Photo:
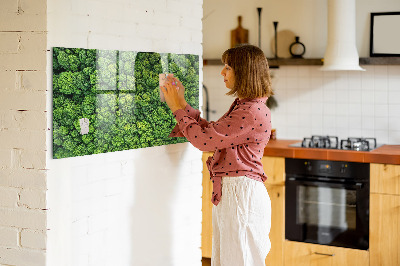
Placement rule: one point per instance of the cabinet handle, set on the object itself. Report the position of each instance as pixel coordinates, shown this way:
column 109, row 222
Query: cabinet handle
column 324, row 254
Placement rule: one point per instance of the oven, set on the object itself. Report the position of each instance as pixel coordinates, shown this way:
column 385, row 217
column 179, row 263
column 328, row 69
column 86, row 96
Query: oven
column 327, row 202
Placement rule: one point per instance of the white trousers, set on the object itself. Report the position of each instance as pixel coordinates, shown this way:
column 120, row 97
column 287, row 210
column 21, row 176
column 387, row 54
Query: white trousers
column 241, row 223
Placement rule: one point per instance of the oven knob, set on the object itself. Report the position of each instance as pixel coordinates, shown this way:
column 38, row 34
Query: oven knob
column 308, row 166
column 343, row 168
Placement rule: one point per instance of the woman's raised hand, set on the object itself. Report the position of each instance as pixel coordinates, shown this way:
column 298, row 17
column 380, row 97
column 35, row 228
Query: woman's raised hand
column 174, row 94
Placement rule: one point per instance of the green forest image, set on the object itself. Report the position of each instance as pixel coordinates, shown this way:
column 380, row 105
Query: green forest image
column 109, row 100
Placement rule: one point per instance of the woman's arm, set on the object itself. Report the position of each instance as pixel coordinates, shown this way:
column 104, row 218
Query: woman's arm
column 238, row 128
column 175, row 99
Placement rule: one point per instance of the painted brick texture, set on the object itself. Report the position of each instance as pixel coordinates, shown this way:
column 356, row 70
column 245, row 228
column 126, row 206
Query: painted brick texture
column 23, row 218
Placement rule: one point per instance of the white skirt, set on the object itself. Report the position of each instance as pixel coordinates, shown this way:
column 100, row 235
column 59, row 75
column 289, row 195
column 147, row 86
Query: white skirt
column 241, row 223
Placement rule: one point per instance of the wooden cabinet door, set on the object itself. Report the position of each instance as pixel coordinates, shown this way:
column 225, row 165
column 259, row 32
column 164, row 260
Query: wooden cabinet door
column 385, row 178
column 277, row 233
column 206, row 226
column 274, row 168
column 384, row 236
column 304, row 254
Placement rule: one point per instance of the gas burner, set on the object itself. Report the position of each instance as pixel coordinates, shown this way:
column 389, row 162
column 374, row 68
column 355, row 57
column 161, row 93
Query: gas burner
column 358, row 144
column 332, row 142
column 327, row 142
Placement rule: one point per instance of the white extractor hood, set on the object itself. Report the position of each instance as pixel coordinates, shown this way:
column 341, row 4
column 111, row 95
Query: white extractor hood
column 341, row 51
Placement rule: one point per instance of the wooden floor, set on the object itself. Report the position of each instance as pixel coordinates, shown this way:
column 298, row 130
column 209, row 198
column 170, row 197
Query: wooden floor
column 206, row 261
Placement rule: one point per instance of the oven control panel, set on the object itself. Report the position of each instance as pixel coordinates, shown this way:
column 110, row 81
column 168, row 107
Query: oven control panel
column 338, row 169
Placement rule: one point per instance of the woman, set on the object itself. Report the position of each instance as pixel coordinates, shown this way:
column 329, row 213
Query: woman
column 242, row 208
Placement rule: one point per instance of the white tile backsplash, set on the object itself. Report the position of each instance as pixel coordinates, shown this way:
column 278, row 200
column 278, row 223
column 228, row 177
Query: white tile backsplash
column 345, row 103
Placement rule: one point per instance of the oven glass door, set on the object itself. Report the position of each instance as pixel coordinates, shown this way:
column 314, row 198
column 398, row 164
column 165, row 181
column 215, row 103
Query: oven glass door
column 326, row 213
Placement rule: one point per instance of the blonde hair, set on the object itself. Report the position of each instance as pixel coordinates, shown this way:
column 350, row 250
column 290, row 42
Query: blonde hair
column 250, row 66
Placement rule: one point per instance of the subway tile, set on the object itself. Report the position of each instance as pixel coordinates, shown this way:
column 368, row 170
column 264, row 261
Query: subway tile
column 342, row 109
column 292, row 83
column 381, row 97
column 317, row 120
column 394, row 137
column 394, row 83
column 381, row 123
column 367, row 97
column 354, row 75
column 367, row 84
column 315, row 72
column 394, row 110
column 329, row 94
column 394, row 123
column 304, row 82
column 382, row 136
column 355, row 96
column 329, row 109
column 355, row 132
column 329, row 123
column 328, row 74
column 380, row 71
column 342, row 97
column 279, row 72
column 394, row 97
column 367, row 110
column 355, row 122
column 342, row 122
column 355, row 109
column 291, row 71
column 316, row 83
column 381, row 110
column 342, row 82
column 367, row 123
column 304, row 72
column 354, row 81
column 380, row 84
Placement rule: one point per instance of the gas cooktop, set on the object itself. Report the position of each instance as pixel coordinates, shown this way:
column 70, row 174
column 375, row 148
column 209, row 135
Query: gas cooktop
column 332, row 142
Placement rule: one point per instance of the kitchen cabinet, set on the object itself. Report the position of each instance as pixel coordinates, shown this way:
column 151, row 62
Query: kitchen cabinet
column 206, row 225
column 305, row 254
column 385, row 178
column 274, row 168
column 385, row 214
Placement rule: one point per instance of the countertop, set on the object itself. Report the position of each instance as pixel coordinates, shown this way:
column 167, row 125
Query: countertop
column 387, row 154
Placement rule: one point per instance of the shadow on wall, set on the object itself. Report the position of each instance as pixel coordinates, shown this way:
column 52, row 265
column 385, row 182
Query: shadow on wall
column 155, row 201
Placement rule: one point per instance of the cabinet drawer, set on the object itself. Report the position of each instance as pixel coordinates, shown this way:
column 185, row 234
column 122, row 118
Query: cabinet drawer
column 305, row 254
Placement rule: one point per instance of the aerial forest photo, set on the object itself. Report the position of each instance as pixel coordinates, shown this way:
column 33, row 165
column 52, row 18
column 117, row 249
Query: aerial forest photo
column 109, row 100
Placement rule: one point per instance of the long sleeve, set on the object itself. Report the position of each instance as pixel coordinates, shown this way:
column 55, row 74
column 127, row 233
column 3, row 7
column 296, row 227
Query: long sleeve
column 193, row 113
column 232, row 130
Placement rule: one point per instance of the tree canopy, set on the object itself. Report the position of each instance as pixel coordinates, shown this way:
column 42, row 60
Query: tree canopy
column 118, row 91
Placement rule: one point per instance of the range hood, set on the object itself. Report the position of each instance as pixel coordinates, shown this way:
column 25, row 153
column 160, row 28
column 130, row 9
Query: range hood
column 341, row 51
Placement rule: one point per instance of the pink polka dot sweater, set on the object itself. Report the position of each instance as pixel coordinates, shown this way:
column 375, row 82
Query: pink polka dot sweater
column 238, row 139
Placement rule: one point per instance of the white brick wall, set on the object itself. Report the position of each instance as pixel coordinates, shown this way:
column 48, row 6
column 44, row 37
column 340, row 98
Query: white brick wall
column 23, row 132
column 136, row 207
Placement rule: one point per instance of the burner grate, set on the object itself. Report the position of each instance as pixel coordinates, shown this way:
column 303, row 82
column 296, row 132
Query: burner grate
column 327, row 142
column 358, row 144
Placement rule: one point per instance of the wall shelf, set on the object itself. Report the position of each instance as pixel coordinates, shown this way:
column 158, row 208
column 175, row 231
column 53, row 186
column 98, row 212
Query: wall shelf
column 380, row 61
column 274, row 63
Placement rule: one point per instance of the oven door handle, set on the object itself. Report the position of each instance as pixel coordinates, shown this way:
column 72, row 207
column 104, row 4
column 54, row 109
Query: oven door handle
column 357, row 185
